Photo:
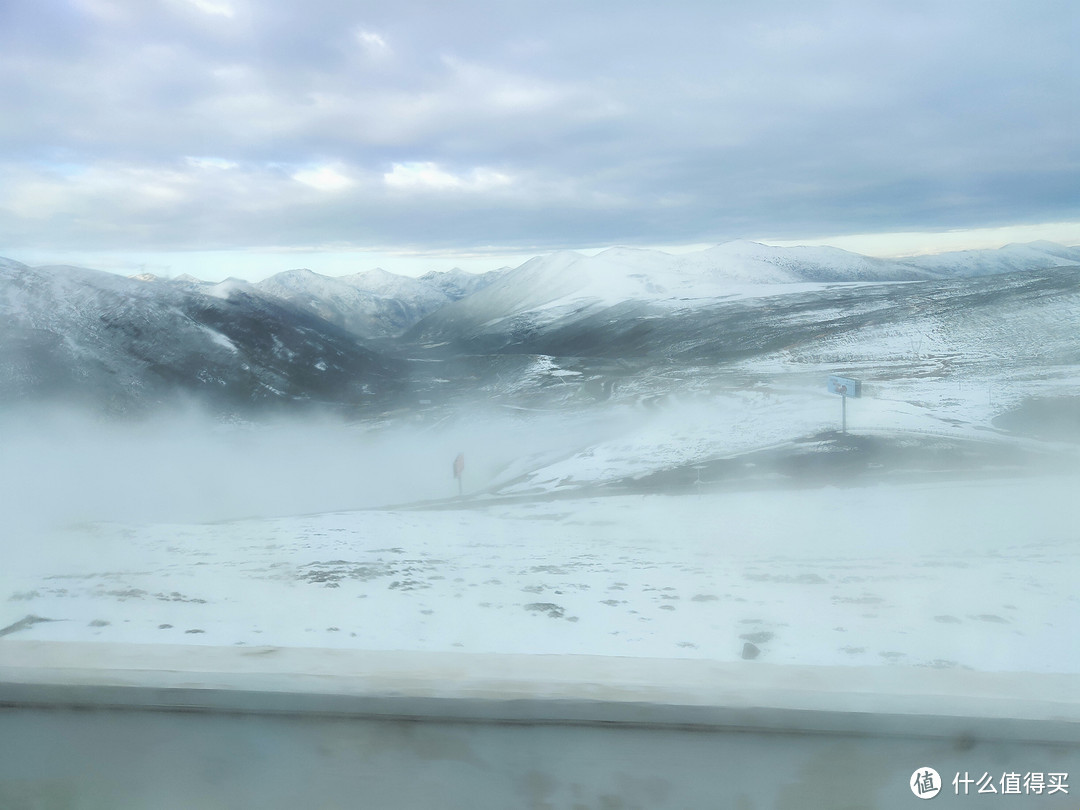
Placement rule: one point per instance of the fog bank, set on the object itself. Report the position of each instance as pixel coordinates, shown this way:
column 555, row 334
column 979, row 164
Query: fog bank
column 59, row 468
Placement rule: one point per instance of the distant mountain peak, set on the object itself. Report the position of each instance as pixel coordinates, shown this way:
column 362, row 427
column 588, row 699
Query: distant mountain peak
column 297, row 272
column 1038, row 244
column 739, row 242
column 453, row 272
column 376, row 272
column 625, row 250
column 1014, row 257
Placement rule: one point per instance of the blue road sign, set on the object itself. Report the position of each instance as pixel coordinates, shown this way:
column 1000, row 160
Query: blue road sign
column 845, row 387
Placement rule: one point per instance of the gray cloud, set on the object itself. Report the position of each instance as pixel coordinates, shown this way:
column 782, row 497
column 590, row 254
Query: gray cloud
column 229, row 123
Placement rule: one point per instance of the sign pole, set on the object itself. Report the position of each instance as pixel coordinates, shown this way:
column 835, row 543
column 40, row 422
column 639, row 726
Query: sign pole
column 845, row 388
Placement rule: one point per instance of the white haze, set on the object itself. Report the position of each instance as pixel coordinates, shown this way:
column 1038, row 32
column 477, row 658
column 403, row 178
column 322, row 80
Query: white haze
column 58, row 468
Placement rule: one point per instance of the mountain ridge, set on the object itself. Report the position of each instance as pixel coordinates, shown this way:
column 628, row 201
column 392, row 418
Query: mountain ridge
column 566, row 284
column 125, row 345
column 71, row 334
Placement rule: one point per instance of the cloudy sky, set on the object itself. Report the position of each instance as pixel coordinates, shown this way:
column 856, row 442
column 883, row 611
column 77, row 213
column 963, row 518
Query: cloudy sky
column 243, row 137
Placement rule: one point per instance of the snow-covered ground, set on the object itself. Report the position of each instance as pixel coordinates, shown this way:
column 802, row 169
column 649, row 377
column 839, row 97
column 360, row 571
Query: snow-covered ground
column 977, row 575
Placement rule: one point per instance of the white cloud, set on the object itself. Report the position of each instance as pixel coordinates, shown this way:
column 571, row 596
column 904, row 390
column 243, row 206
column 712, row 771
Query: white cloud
column 323, row 178
column 77, row 192
column 32, row 198
column 429, row 176
column 215, row 7
column 703, row 123
column 119, row 204
column 420, row 175
column 373, row 43
column 210, row 163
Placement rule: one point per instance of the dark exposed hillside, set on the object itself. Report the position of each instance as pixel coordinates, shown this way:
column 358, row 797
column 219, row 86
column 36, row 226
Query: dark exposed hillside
column 125, row 345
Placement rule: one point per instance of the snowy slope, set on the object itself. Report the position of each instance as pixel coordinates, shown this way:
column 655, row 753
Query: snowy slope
column 456, row 283
column 554, row 291
column 123, row 344
column 391, row 285
column 11, row 265
column 356, row 310
column 546, row 288
column 753, row 263
column 951, row 576
column 550, row 287
column 1008, row 259
column 372, row 304
column 938, row 356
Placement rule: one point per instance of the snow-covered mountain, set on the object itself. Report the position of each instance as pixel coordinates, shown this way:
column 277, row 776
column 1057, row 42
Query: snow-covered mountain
column 1008, row 259
column 358, row 311
column 747, row 262
column 372, row 304
column 545, row 289
column 567, row 285
column 955, row 347
column 456, row 283
column 124, row 344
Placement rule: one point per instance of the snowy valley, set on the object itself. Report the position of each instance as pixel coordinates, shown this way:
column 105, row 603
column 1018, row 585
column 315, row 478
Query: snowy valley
column 653, row 465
